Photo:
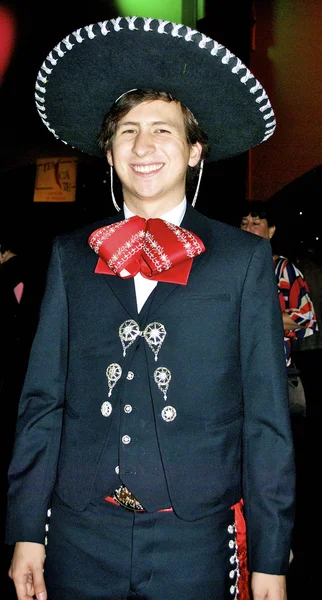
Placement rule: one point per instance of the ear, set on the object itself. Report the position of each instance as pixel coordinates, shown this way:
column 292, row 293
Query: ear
column 195, row 154
column 271, row 231
column 109, row 157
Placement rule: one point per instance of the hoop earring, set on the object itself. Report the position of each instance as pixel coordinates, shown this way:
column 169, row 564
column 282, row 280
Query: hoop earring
column 112, row 191
column 193, row 203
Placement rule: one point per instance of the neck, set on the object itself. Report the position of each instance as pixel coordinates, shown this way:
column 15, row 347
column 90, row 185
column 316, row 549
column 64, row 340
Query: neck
column 151, row 210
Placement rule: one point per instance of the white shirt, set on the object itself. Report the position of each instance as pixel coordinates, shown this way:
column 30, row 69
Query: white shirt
column 143, row 286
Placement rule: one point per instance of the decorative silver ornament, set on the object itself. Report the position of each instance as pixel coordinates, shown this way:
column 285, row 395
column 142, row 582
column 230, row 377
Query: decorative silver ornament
column 106, row 409
column 154, row 335
column 113, row 374
column 128, row 332
column 162, row 377
column 169, row 414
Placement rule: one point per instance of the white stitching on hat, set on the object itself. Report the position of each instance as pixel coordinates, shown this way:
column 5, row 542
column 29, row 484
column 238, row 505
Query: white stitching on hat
column 131, row 22
column 51, row 59
column 271, row 123
column 116, row 23
column 266, row 106
column 248, row 76
column 270, row 114
column 239, row 65
column 42, row 108
column 175, row 31
column 225, row 60
column 67, row 43
column 216, row 48
column 41, row 77
column 40, row 88
column 77, row 35
column 147, row 23
column 255, row 88
column 262, row 97
column 189, row 33
column 90, row 33
column 162, row 25
column 40, row 100
column 204, row 40
column 104, row 30
column 59, row 51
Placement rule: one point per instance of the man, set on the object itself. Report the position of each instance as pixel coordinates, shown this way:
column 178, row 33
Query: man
column 153, row 403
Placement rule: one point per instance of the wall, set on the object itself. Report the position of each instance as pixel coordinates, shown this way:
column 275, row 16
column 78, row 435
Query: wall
column 286, row 60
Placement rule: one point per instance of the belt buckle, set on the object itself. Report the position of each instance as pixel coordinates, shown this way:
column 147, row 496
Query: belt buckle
column 125, row 498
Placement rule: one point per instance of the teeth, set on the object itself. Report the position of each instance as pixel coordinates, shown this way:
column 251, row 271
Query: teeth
column 147, row 168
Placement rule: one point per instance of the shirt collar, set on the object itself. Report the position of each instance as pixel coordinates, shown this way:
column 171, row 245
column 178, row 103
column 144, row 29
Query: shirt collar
column 174, row 216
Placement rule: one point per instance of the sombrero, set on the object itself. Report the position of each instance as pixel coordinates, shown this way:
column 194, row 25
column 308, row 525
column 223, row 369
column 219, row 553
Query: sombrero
column 91, row 67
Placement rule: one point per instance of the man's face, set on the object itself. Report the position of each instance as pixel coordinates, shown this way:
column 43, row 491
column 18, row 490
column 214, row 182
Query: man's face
column 257, row 226
column 151, row 154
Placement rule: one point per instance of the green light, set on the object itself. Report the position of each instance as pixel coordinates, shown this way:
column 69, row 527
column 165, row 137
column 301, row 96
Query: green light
column 169, row 10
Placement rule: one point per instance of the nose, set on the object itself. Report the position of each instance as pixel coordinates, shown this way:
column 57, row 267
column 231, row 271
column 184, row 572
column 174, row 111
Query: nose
column 143, row 143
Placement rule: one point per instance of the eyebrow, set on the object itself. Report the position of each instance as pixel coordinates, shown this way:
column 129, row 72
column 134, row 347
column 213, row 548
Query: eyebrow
column 137, row 123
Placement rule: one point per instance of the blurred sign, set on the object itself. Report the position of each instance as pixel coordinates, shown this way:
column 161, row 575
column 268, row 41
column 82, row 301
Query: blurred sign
column 55, row 180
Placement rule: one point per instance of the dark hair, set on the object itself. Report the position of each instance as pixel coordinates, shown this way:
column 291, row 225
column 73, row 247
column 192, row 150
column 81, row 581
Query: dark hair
column 258, row 208
column 131, row 99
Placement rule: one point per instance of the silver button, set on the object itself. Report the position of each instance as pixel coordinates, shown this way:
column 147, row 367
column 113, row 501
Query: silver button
column 106, row 409
column 117, row 469
column 230, row 529
column 130, row 375
column 232, row 574
column 126, row 439
column 128, row 408
column 169, row 413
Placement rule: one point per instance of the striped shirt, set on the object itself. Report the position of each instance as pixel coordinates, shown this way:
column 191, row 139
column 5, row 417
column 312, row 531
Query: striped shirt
column 295, row 299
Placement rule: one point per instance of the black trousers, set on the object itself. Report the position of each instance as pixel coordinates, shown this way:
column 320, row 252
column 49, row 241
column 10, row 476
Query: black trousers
column 109, row 553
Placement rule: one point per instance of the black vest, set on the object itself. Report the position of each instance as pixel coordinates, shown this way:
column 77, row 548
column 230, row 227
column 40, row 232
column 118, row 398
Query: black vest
column 132, row 454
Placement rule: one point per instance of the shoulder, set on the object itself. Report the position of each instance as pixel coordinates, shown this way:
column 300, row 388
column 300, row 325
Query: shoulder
column 77, row 239
column 286, row 268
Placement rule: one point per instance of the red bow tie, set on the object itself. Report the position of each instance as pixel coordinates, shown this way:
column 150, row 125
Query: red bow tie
column 155, row 248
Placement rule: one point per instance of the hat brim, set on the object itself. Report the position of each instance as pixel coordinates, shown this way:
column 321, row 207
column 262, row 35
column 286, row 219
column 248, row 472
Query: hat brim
column 90, row 68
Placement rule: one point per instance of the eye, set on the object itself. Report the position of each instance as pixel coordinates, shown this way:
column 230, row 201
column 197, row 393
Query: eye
column 162, row 131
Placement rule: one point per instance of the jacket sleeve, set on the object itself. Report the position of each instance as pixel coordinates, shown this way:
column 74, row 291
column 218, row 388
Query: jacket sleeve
column 268, row 458
column 33, row 466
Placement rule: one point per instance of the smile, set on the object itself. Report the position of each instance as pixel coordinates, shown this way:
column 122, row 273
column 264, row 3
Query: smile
column 147, row 168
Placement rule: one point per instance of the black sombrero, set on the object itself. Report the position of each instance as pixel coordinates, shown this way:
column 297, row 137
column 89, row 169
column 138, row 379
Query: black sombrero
column 90, row 68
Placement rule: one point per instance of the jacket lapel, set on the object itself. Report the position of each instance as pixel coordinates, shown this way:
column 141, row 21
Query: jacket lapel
column 123, row 289
column 198, row 224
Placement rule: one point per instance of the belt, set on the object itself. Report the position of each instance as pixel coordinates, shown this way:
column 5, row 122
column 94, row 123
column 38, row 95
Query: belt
column 123, row 497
